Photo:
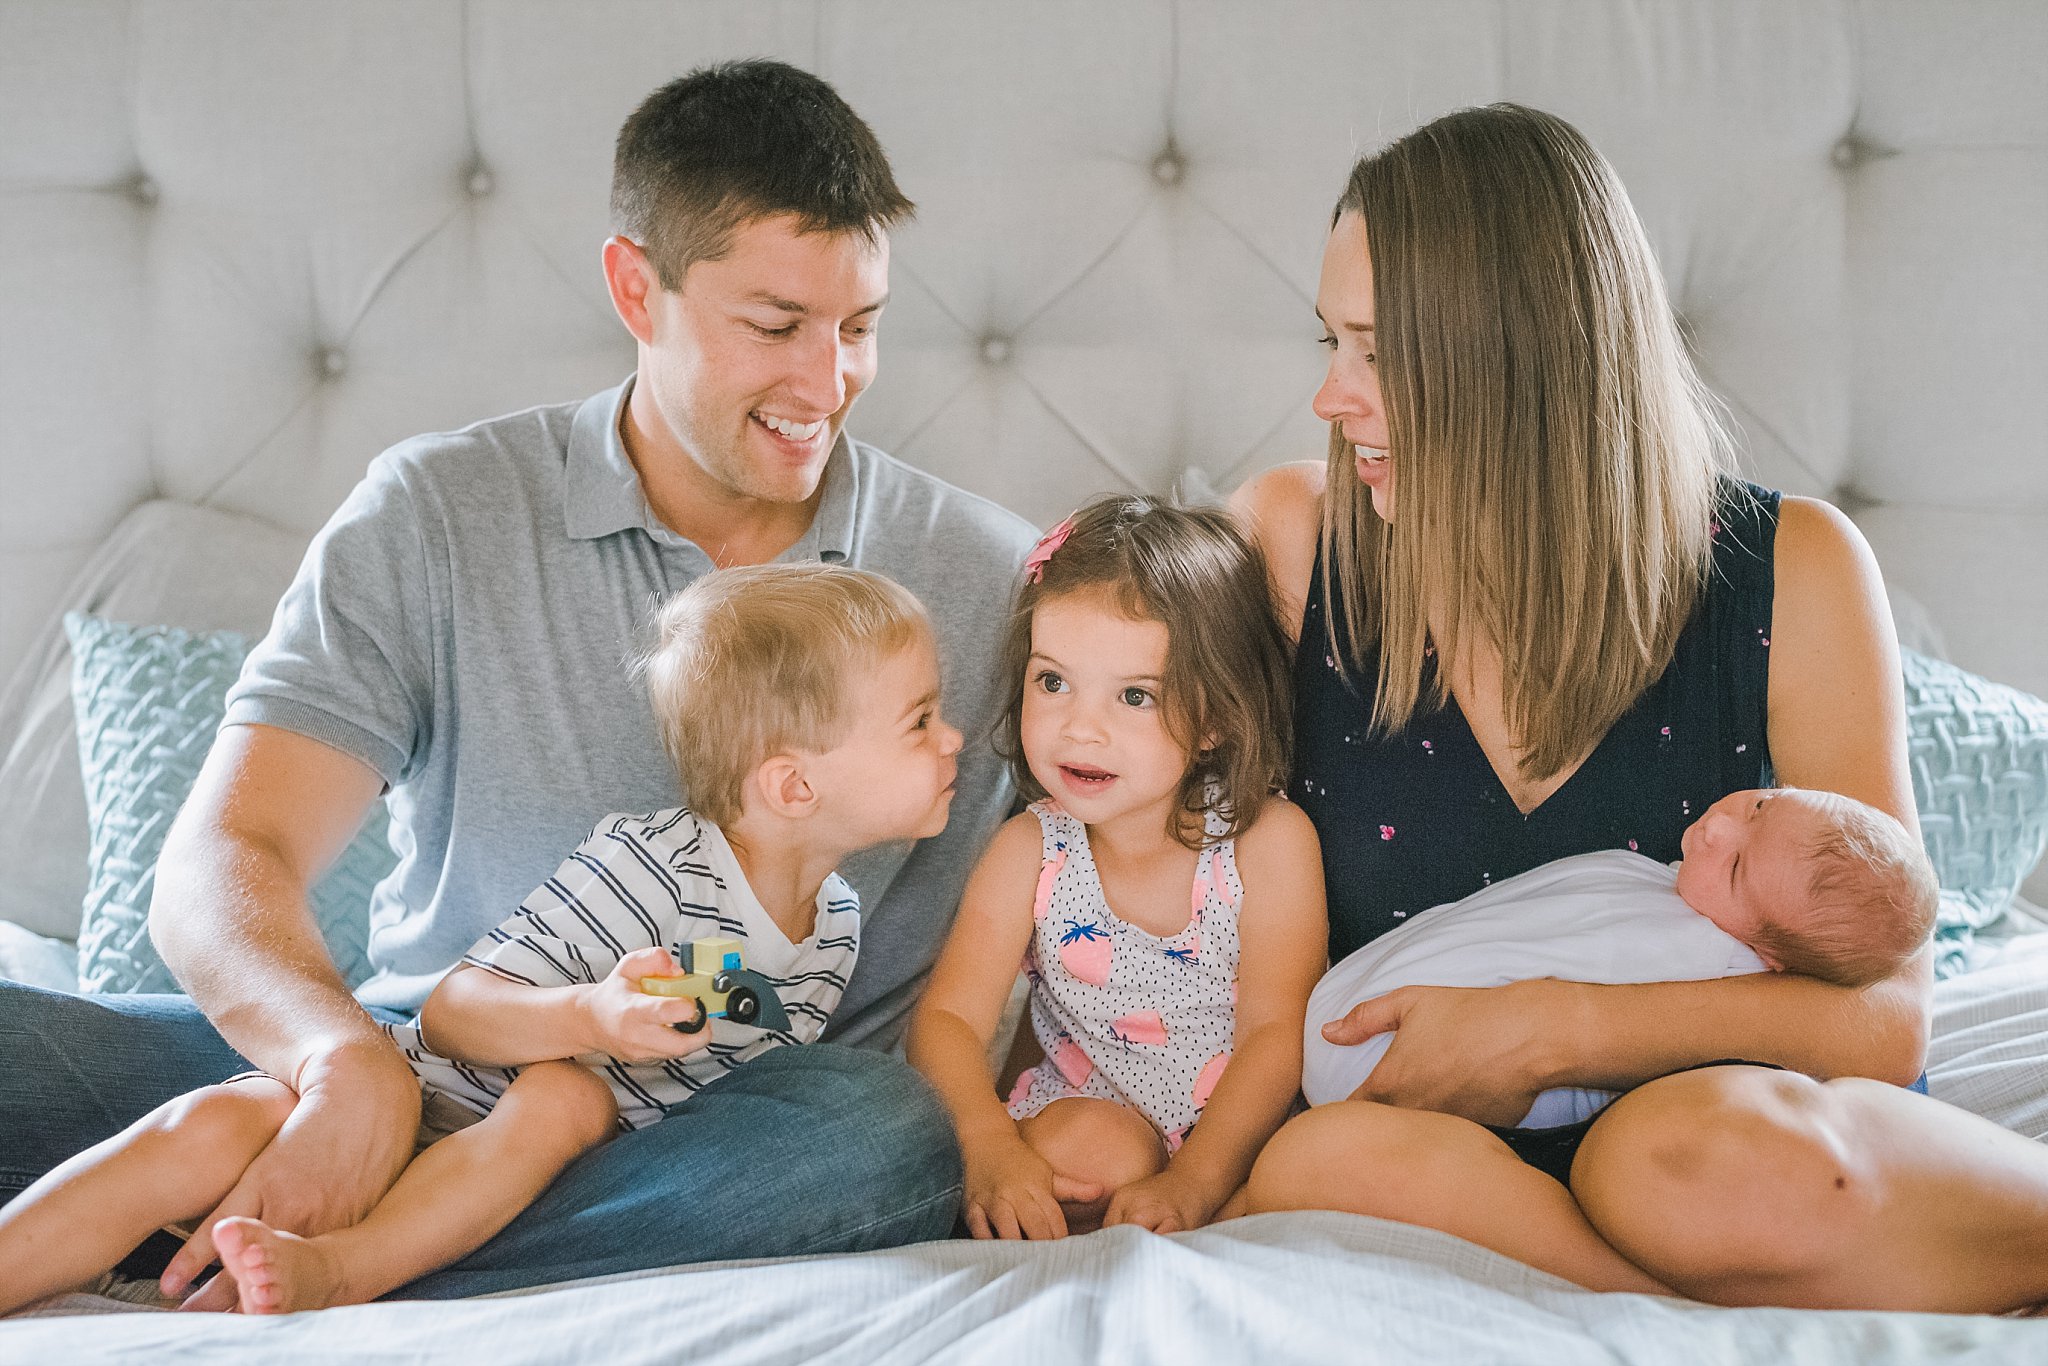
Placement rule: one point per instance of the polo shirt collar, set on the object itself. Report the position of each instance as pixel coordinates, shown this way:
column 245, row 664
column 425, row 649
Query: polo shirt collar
column 602, row 492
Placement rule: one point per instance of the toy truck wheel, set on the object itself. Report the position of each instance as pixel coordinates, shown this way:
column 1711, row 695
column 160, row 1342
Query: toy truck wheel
column 743, row 1006
column 694, row 1026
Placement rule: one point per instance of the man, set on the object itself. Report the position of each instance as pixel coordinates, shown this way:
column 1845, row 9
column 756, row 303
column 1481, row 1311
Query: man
column 458, row 635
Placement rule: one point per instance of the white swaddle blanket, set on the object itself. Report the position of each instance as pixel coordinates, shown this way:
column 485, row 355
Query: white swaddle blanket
column 1607, row 917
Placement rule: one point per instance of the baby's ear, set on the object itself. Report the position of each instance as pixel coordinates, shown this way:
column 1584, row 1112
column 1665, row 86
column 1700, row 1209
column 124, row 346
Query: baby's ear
column 784, row 787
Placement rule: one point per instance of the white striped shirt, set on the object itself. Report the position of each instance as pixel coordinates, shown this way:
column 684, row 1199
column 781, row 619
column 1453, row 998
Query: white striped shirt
column 639, row 881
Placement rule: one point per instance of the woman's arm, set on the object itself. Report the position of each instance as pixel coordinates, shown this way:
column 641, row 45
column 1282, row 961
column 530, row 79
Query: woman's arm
column 1283, row 938
column 1282, row 512
column 1836, row 722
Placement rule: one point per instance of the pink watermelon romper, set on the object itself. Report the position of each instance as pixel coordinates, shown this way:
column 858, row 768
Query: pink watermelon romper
column 1122, row 1014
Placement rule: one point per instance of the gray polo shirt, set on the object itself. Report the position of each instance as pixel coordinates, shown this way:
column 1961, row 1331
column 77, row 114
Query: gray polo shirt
column 463, row 625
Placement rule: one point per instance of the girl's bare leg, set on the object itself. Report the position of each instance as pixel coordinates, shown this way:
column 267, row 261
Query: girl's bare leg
column 176, row 1163
column 449, row 1202
column 1441, row 1172
column 1097, row 1142
column 1741, row 1185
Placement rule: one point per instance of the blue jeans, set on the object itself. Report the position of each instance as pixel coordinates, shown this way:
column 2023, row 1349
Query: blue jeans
column 805, row 1150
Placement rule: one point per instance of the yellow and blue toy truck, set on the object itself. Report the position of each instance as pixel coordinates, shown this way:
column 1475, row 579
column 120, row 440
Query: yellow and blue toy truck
column 716, row 975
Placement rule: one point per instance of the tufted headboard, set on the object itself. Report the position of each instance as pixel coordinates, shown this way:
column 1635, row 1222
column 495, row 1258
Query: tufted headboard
column 244, row 246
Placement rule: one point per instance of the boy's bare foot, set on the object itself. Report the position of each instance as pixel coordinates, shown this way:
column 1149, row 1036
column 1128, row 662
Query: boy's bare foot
column 276, row 1272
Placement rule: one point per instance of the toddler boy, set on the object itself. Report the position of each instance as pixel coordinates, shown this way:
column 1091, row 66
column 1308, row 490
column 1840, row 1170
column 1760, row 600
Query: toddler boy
column 800, row 705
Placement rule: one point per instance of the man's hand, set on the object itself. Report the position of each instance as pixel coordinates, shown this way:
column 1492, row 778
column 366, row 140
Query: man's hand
column 1165, row 1202
column 633, row 1026
column 346, row 1142
column 1477, row 1052
column 1012, row 1192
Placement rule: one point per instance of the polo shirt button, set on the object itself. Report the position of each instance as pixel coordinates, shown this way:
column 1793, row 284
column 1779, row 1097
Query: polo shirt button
column 1168, row 167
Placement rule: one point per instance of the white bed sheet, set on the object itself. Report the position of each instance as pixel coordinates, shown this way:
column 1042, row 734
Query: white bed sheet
column 1298, row 1287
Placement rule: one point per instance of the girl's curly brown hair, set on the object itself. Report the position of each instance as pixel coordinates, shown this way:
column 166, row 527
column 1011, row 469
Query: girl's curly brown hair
column 1226, row 677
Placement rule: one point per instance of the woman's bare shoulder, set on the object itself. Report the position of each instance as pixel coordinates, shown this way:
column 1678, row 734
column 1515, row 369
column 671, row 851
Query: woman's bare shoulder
column 1282, row 511
column 1816, row 539
column 1837, row 713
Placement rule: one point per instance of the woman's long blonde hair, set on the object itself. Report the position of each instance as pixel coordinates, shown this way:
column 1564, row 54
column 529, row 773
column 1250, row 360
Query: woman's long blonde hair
column 1555, row 455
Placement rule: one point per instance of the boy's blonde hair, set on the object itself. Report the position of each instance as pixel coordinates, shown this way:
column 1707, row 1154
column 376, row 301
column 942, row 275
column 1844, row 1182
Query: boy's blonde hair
column 1870, row 905
column 751, row 662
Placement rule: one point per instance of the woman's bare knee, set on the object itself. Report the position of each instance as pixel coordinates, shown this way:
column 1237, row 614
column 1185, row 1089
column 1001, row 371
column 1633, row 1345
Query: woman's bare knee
column 1727, row 1180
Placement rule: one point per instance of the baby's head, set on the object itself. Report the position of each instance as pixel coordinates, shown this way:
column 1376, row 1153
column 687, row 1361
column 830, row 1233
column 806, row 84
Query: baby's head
column 804, row 691
column 1144, row 666
column 1815, row 882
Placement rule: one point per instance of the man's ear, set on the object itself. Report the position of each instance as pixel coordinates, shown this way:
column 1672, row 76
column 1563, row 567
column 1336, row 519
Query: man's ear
column 632, row 280
column 785, row 787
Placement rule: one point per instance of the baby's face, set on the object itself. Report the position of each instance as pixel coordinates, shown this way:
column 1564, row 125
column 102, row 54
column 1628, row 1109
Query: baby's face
column 1745, row 860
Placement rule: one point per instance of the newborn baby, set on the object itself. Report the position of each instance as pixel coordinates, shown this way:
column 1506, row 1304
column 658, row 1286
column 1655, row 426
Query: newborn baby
column 1784, row 879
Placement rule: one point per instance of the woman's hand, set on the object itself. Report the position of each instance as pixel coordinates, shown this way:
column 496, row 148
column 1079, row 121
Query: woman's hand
column 1166, row 1202
column 1483, row 1053
column 1012, row 1192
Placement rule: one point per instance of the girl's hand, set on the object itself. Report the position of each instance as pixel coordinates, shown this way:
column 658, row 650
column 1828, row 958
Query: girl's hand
column 634, row 1027
column 1164, row 1203
column 1479, row 1052
column 1012, row 1192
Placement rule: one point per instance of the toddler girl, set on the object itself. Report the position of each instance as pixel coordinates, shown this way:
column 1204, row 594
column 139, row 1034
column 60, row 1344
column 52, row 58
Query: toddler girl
column 1168, row 911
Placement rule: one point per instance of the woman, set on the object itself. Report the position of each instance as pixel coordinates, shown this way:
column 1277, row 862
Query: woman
column 1535, row 618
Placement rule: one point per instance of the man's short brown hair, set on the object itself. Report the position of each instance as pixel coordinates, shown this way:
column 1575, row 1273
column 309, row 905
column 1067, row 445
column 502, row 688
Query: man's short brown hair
column 738, row 141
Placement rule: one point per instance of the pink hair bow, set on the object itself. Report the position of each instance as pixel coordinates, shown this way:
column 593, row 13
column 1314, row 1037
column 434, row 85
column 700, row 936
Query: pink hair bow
column 1034, row 563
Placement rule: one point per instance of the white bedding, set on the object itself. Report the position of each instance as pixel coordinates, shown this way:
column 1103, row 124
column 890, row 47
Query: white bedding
column 1299, row 1287
column 1296, row 1287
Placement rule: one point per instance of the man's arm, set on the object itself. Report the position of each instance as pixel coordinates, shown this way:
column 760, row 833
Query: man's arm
column 270, row 811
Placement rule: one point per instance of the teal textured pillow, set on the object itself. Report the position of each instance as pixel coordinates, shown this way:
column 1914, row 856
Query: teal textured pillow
column 148, row 700
column 1979, row 756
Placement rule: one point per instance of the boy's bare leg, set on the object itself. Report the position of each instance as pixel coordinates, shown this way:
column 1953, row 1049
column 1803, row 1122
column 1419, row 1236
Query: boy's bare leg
column 176, row 1163
column 1098, row 1143
column 1442, row 1172
column 449, row 1202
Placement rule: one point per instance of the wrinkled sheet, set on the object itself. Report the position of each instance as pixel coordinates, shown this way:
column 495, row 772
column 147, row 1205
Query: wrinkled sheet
column 1292, row 1287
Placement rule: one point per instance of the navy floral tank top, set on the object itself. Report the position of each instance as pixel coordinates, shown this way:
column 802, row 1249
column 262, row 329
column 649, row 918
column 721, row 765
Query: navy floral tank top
column 1413, row 820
